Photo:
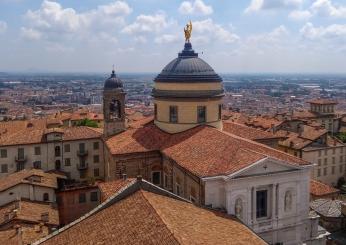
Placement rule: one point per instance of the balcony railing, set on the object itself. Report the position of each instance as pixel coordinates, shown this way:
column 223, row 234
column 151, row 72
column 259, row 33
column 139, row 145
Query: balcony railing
column 82, row 153
column 82, row 166
column 20, row 159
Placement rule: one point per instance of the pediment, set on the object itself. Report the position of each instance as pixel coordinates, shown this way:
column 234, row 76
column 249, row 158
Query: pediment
column 264, row 167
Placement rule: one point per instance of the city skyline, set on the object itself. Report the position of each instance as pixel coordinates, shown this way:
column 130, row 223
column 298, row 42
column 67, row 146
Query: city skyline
column 252, row 36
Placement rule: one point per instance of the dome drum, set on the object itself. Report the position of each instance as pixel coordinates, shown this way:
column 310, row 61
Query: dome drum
column 187, row 93
column 156, row 93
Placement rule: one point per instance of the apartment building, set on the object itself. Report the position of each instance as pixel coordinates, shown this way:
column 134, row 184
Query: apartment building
column 76, row 151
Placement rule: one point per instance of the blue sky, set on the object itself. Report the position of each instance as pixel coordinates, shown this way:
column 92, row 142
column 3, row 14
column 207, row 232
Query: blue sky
column 245, row 36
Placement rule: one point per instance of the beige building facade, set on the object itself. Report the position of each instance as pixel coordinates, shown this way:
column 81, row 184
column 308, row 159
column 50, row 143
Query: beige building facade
column 59, row 149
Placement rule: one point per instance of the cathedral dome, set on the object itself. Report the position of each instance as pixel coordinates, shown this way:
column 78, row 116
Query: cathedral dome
column 187, row 93
column 113, row 82
column 188, row 68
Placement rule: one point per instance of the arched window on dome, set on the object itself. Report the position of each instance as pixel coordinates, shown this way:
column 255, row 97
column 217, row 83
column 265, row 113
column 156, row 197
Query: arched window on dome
column 115, row 109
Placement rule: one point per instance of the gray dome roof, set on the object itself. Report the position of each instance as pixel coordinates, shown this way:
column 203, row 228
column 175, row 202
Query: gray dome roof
column 113, row 82
column 188, row 68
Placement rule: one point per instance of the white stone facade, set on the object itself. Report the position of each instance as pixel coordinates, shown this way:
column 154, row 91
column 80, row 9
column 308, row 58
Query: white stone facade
column 286, row 218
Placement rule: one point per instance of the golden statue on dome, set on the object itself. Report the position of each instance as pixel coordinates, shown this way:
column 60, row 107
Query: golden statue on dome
column 187, row 31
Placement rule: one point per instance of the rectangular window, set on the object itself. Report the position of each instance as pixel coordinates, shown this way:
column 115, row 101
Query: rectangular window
column 333, row 160
column 37, row 164
column 326, row 152
column 319, row 153
column 156, row 177
column 155, row 111
column 173, row 114
column 341, row 159
column 67, row 148
column 82, row 197
column 333, row 169
column 93, row 196
column 340, row 168
column 325, row 161
column 325, row 172
column 82, row 174
column 4, row 168
column 96, row 158
column 81, row 147
column 96, row 172
column 67, row 161
column 318, row 172
column 96, row 145
column 201, row 114
column 220, row 112
column 261, row 203
column 3, row 153
column 333, row 151
column 20, row 153
column 319, row 162
column 37, row 150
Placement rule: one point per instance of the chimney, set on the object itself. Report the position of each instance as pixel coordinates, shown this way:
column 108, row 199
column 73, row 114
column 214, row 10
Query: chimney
column 124, row 176
column 139, row 178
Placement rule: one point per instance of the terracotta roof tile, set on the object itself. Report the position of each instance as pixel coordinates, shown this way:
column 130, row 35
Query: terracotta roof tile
column 27, row 211
column 34, row 135
column 109, row 188
column 247, row 132
column 23, row 176
column 27, row 235
column 203, row 150
column 318, row 188
column 143, row 217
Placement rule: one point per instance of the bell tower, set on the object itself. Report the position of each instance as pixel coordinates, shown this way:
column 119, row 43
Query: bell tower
column 113, row 106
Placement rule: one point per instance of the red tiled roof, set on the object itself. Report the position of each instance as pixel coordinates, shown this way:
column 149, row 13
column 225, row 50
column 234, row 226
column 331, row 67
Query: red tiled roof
column 203, row 150
column 27, row 211
column 247, row 132
column 26, row 235
column 145, row 217
column 109, row 188
column 33, row 135
column 318, row 188
column 47, row 179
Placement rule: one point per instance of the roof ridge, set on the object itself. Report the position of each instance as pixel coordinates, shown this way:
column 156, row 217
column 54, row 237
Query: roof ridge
column 158, row 215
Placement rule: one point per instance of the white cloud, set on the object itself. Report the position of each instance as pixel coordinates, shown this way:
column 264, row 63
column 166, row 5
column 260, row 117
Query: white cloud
column 197, row 7
column 147, row 24
column 327, row 8
column 272, row 37
column 29, row 33
column 335, row 32
column 258, row 5
column 166, row 38
column 209, row 29
column 3, row 26
column 53, row 21
column 300, row 15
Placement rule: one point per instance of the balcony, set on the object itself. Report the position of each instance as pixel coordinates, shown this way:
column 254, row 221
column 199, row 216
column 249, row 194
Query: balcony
column 82, row 153
column 20, row 159
column 82, row 166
